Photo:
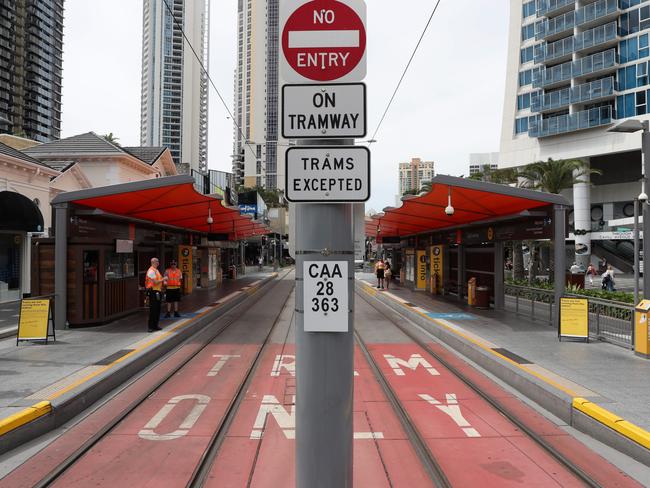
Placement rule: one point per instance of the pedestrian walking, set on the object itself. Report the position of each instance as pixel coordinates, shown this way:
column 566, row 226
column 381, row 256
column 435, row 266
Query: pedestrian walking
column 591, row 272
column 174, row 278
column 608, row 279
column 153, row 283
column 379, row 270
column 388, row 273
column 260, row 262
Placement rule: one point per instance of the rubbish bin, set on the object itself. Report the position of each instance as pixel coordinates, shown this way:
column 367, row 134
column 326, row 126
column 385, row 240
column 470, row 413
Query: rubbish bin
column 232, row 272
column 471, row 291
column 482, row 297
column 641, row 329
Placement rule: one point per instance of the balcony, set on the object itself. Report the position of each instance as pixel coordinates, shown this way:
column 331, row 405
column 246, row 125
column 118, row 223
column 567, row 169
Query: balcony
column 587, row 92
column 587, row 119
column 554, row 7
column 587, row 16
column 590, row 40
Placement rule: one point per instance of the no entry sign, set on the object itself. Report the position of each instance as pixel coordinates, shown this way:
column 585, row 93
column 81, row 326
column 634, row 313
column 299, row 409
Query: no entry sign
column 323, row 40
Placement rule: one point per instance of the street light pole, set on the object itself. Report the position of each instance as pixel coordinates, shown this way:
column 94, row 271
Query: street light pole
column 636, row 250
column 645, row 147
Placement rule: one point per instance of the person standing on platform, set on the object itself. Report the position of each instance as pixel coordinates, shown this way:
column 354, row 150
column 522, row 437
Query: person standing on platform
column 153, row 283
column 174, row 278
column 379, row 270
column 387, row 274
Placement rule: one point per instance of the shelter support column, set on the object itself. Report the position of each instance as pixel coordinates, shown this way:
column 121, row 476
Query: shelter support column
column 60, row 265
column 461, row 272
column 582, row 219
column 499, row 294
column 559, row 248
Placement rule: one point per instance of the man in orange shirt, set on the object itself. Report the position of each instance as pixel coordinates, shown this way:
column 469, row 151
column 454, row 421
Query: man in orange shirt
column 153, row 282
column 174, row 280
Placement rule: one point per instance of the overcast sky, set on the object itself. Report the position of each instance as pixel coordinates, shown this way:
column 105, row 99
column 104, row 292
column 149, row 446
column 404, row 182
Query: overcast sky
column 449, row 105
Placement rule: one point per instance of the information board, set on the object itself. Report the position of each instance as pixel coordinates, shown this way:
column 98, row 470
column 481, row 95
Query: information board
column 437, row 269
column 328, row 174
column 34, row 321
column 421, row 270
column 186, row 266
column 326, row 296
column 574, row 318
column 324, row 111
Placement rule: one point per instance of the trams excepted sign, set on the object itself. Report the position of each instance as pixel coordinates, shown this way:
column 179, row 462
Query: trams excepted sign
column 328, row 174
column 326, row 296
column 323, row 40
column 324, row 111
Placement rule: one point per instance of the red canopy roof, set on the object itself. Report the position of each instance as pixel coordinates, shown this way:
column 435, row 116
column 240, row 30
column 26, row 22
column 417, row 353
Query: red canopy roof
column 473, row 201
column 169, row 201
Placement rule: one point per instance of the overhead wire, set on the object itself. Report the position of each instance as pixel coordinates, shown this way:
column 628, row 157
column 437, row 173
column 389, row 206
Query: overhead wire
column 241, row 133
column 399, row 83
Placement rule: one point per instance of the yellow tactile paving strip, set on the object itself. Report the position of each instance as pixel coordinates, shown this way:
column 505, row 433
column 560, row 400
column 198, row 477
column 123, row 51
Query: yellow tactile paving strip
column 604, row 416
column 84, row 375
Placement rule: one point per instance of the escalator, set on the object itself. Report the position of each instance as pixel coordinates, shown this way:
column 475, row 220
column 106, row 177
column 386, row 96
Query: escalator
column 619, row 254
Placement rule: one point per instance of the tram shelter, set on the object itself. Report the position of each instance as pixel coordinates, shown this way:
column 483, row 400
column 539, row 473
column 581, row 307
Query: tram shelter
column 106, row 236
column 457, row 231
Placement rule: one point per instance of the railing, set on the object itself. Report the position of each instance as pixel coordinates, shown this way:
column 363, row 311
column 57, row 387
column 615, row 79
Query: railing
column 609, row 321
column 562, row 124
column 585, row 40
column 537, row 303
column 577, row 94
column 569, row 20
column 547, row 6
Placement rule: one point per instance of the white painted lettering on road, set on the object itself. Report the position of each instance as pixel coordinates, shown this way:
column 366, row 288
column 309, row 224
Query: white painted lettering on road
column 412, row 363
column 453, row 410
column 288, row 363
column 149, row 433
column 223, row 359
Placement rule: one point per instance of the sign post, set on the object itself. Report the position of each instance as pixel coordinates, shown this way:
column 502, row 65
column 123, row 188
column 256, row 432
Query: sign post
column 324, row 45
column 34, row 321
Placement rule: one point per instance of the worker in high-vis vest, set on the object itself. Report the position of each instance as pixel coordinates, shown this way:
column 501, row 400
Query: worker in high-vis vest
column 174, row 278
column 154, row 282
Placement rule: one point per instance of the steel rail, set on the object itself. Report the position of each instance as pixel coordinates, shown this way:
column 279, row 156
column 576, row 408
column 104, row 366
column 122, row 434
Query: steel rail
column 202, row 470
column 432, row 467
column 538, row 439
column 66, row 464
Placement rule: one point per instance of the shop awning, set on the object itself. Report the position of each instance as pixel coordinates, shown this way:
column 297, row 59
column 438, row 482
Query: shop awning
column 171, row 201
column 473, row 202
column 19, row 213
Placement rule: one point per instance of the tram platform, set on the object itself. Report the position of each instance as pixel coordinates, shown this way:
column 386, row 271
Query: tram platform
column 221, row 411
column 528, row 355
column 44, row 385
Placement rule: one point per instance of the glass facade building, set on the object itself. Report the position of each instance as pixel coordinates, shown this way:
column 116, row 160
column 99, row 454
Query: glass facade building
column 585, row 66
column 31, row 49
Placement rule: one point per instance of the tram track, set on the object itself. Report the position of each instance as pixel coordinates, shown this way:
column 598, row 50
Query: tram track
column 428, row 459
column 233, row 316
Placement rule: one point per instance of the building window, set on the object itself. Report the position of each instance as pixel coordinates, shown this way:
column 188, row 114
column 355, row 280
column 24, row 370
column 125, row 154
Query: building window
column 523, row 101
column 521, row 125
column 526, row 55
column 529, row 9
column 525, row 77
column 640, row 103
column 527, row 32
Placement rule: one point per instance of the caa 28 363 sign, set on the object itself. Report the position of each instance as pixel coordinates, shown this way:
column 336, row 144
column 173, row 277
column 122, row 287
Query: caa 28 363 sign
column 325, row 296
column 328, row 174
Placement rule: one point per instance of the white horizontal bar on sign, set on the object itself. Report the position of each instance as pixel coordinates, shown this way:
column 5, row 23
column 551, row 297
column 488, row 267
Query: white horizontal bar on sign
column 324, row 38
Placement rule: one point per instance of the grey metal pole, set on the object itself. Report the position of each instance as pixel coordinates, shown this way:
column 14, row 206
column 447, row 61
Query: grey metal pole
column 324, row 361
column 645, row 147
column 559, row 240
column 636, row 250
column 60, row 265
column 499, row 292
column 461, row 272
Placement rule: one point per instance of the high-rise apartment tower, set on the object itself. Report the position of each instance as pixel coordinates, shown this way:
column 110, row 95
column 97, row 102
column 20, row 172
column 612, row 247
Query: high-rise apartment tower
column 258, row 150
column 174, row 109
column 31, row 49
column 414, row 173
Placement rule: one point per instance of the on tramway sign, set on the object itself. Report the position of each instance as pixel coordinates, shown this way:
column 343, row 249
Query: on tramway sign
column 323, row 40
column 328, row 174
column 335, row 110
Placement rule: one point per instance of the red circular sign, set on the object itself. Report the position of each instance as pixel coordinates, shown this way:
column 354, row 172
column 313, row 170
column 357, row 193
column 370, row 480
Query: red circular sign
column 324, row 40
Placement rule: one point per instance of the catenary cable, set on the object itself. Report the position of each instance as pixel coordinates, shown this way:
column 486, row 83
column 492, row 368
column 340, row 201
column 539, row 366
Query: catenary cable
column 399, row 83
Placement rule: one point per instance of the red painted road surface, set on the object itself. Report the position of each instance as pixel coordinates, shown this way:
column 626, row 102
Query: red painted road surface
column 161, row 442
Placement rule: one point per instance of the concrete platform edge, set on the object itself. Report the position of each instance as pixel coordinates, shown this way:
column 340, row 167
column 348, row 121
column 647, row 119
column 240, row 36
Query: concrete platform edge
column 547, row 396
column 63, row 409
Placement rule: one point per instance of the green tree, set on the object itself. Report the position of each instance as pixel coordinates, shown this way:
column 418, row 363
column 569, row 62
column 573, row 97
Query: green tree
column 110, row 137
column 552, row 176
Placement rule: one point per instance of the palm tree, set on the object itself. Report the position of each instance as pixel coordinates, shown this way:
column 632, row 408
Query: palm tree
column 110, row 137
column 553, row 176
